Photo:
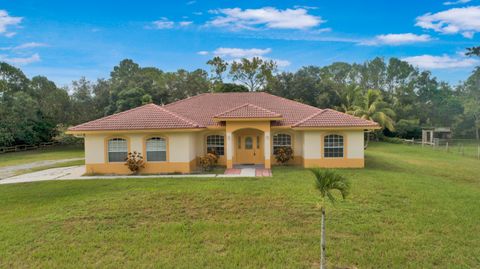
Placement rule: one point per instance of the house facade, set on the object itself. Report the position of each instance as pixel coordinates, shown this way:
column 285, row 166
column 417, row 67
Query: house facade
column 241, row 128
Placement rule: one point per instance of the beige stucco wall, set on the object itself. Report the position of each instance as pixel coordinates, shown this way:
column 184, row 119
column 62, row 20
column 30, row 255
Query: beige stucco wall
column 355, row 142
column 312, row 144
column 182, row 146
column 94, row 148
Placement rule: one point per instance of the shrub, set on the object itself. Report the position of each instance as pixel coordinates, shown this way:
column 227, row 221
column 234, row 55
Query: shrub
column 208, row 161
column 393, row 140
column 134, row 161
column 283, row 154
column 66, row 139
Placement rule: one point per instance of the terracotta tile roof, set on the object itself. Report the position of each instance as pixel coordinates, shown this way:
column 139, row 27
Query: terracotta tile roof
column 248, row 111
column 148, row 116
column 201, row 110
column 333, row 118
column 204, row 107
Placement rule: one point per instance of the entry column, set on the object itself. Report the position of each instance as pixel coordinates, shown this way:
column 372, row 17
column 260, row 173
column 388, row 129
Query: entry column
column 229, row 150
column 267, row 147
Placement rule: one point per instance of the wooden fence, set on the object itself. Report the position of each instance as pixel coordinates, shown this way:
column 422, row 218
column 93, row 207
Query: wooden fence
column 27, row 147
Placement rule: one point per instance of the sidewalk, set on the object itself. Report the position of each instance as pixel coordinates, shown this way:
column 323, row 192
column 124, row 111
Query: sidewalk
column 76, row 172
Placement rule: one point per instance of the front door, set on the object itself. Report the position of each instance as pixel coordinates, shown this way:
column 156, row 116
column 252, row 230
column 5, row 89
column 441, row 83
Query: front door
column 249, row 148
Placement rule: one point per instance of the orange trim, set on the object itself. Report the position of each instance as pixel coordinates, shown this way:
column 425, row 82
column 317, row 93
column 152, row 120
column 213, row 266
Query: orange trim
column 150, row 168
column 334, row 163
column 221, row 159
column 144, row 145
column 345, row 145
column 247, row 119
column 105, row 147
column 335, row 128
column 133, row 131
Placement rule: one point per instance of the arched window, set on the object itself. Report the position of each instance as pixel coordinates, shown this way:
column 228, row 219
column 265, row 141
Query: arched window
column 156, row 149
column 117, row 150
column 333, row 146
column 281, row 141
column 215, row 144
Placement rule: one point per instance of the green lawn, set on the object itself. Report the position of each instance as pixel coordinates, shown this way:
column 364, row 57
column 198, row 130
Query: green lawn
column 410, row 208
column 53, row 153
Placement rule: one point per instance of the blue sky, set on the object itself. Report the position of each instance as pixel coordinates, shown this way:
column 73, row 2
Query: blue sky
column 65, row 40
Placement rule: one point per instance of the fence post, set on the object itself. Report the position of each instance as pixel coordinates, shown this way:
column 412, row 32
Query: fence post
column 478, row 152
column 463, row 151
column 446, row 146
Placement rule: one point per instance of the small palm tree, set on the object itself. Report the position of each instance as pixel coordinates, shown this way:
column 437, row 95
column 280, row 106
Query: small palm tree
column 372, row 107
column 328, row 181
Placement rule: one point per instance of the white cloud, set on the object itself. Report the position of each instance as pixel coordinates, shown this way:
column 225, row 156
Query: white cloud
column 240, row 53
column 20, row 61
column 185, row 23
column 6, row 20
column 305, row 7
column 203, row 52
column 163, row 23
column 459, row 2
column 465, row 21
column 440, row 62
column 191, row 2
column 281, row 63
column 24, row 46
column 29, row 45
column 269, row 17
column 396, row 39
column 198, row 13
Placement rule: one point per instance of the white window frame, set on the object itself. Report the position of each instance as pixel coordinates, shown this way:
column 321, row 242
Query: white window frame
column 113, row 146
column 215, row 143
column 283, row 142
column 159, row 148
column 335, row 142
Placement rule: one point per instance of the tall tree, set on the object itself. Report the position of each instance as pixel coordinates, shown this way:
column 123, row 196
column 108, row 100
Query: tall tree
column 218, row 69
column 253, row 73
column 472, row 100
column 82, row 101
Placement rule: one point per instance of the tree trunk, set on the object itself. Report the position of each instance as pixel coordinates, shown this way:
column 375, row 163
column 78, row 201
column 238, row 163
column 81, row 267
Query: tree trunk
column 323, row 262
column 477, row 133
column 368, row 140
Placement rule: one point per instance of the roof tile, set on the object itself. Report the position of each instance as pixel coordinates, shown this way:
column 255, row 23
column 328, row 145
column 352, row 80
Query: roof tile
column 201, row 110
column 333, row 118
column 248, row 111
column 149, row 116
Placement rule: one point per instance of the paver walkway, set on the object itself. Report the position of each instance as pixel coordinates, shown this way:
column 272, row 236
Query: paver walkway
column 249, row 171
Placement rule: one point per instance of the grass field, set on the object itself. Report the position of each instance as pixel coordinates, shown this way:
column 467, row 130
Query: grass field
column 409, row 208
column 54, row 153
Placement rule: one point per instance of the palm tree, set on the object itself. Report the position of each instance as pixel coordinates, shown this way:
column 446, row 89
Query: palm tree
column 348, row 97
column 326, row 182
column 372, row 107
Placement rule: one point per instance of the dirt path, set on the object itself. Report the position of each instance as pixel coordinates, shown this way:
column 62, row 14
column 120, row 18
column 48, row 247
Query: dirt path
column 9, row 171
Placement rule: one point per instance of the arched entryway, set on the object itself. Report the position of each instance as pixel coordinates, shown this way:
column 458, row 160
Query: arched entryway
column 248, row 147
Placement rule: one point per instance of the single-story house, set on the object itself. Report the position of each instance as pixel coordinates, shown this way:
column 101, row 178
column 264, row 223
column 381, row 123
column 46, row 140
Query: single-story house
column 241, row 128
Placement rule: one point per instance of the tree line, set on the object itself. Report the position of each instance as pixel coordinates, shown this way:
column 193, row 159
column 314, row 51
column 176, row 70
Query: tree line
column 394, row 93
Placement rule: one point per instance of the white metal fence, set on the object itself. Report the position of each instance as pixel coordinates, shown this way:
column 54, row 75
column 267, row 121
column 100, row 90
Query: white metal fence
column 464, row 147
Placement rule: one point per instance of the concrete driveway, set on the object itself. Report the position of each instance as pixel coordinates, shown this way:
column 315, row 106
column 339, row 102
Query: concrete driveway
column 61, row 173
column 8, row 171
